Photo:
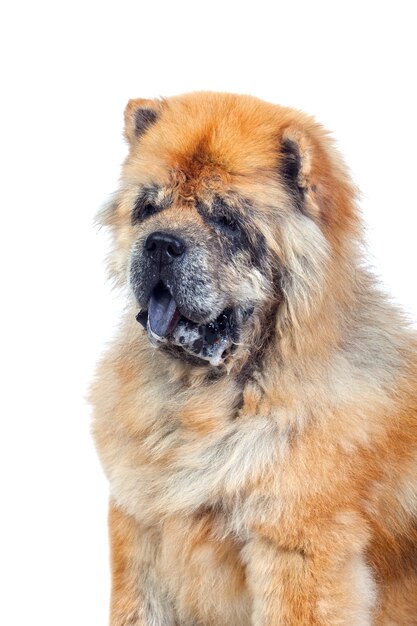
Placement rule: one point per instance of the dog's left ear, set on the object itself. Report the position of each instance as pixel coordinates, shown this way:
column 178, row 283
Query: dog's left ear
column 316, row 177
column 140, row 114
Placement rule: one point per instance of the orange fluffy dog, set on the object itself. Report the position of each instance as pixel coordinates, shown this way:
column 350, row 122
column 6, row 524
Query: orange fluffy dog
column 258, row 426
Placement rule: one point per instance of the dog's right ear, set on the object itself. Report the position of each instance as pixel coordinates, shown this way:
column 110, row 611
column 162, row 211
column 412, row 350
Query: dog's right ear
column 139, row 115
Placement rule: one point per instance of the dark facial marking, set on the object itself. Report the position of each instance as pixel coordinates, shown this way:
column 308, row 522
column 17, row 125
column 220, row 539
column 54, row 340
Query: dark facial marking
column 143, row 119
column 290, row 169
column 234, row 228
column 222, row 218
column 254, row 363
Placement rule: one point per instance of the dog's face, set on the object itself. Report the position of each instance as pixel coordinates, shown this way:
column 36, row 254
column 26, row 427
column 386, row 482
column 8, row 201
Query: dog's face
column 225, row 214
column 196, row 270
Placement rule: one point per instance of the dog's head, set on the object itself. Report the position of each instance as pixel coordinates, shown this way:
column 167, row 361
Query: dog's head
column 228, row 212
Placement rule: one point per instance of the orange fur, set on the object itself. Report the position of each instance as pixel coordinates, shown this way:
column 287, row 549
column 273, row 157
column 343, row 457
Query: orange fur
column 288, row 495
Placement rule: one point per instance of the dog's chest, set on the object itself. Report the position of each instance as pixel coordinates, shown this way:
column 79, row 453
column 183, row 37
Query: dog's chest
column 170, row 469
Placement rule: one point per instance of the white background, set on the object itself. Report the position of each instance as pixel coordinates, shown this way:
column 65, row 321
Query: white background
column 67, row 71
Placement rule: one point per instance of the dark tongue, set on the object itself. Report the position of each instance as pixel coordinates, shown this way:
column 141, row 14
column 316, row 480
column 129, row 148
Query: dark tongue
column 163, row 314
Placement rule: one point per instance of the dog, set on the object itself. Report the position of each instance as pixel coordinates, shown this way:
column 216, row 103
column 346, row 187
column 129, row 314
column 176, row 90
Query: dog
column 256, row 414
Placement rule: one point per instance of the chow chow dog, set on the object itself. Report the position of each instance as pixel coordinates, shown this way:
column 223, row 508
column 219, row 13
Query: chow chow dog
column 256, row 414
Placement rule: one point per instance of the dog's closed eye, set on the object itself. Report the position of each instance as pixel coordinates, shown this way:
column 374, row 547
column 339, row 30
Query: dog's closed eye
column 225, row 222
column 143, row 209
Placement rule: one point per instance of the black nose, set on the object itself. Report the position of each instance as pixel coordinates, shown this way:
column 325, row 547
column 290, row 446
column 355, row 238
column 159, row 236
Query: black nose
column 164, row 248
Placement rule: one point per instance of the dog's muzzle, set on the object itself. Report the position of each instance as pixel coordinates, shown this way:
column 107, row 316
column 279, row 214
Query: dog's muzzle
column 167, row 322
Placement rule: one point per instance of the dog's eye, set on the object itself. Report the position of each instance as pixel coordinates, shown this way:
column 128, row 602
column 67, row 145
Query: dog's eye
column 142, row 210
column 148, row 210
column 226, row 223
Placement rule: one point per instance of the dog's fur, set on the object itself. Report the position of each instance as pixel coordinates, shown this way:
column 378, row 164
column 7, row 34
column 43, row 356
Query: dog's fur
column 280, row 486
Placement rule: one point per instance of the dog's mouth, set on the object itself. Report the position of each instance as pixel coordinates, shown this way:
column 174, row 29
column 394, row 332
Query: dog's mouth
column 214, row 341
